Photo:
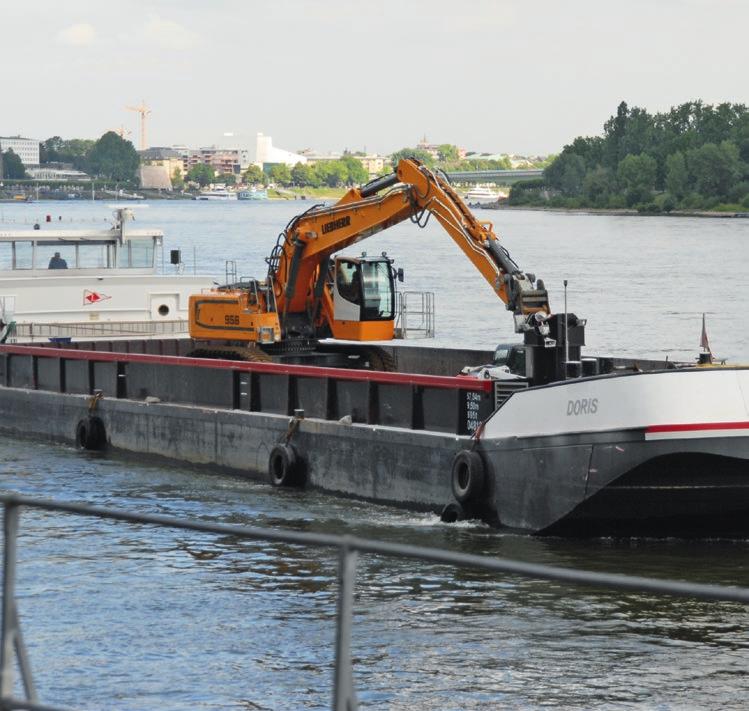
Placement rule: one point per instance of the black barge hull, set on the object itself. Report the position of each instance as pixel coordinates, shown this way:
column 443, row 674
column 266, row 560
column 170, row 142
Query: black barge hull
column 641, row 461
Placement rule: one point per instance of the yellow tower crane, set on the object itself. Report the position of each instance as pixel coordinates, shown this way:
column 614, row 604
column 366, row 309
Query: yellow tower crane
column 143, row 110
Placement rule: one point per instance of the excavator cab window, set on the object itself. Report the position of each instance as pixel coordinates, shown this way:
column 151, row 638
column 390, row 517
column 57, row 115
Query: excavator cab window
column 377, row 283
column 369, row 285
column 348, row 280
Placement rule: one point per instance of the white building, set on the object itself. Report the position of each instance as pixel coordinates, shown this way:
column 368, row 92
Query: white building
column 266, row 152
column 27, row 149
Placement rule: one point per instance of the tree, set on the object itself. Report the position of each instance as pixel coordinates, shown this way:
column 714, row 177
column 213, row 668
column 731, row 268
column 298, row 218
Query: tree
column 597, row 186
column 58, row 150
column 12, row 165
column 332, row 173
column 566, row 173
column 280, row 173
column 714, row 168
column 178, row 182
column 636, row 174
column 254, row 175
column 201, row 174
column 304, row 176
column 227, row 179
column 356, row 172
column 418, row 153
column 113, row 157
column 447, row 152
column 677, row 175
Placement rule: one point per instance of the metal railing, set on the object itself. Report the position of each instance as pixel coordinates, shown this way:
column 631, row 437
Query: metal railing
column 348, row 547
column 414, row 314
column 30, row 332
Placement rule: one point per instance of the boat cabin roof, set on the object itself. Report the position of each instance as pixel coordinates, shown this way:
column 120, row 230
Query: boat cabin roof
column 114, row 236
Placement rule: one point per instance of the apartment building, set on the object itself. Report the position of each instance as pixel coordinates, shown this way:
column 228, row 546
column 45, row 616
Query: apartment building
column 27, row 149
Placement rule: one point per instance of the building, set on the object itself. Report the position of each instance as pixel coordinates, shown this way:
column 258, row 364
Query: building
column 222, row 160
column 267, row 153
column 49, row 172
column 155, row 177
column 27, row 149
column 170, row 159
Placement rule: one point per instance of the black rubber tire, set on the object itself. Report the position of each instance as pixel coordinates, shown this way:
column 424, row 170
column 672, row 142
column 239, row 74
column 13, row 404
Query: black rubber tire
column 284, row 466
column 452, row 512
column 90, row 434
column 468, row 476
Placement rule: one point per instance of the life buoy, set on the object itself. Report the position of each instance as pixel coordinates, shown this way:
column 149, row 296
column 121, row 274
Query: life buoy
column 90, row 433
column 468, row 476
column 284, row 466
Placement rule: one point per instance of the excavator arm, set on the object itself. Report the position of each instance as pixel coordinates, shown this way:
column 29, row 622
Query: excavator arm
column 298, row 266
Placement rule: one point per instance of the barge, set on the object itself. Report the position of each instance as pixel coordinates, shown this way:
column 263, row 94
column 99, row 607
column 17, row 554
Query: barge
column 624, row 448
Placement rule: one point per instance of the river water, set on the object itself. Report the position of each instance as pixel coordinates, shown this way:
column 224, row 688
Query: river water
column 126, row 617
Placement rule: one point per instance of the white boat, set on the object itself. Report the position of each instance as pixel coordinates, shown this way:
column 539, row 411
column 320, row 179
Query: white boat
column 253, row 194
column 482, row 194
column 216, row 193
column 87, row 283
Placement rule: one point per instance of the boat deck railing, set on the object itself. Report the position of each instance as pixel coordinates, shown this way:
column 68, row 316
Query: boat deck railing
column 32, row 332
column 13, row 649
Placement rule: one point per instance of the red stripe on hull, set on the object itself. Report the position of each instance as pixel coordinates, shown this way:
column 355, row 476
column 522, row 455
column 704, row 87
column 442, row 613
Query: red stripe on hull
column 698, row 426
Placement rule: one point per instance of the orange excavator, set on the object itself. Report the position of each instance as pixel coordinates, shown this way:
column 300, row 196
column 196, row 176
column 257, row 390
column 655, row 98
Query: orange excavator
column 309, row 294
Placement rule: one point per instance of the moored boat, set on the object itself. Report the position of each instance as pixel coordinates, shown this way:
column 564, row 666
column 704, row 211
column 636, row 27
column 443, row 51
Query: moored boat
column 59, row 283
column 253, row 194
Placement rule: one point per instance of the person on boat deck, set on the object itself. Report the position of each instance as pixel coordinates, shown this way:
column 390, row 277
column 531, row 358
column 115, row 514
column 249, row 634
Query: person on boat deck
column 57, row 262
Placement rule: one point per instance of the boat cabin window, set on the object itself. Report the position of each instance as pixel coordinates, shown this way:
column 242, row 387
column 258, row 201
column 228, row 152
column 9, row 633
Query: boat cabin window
column 141, row 254
column 6, row 256
column 54, row 255
column 23, row 255
column 95, row 255
column 378, row 291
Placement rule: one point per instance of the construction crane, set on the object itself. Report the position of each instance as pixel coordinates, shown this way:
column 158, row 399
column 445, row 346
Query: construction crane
column 121, row 131
column 143, row 110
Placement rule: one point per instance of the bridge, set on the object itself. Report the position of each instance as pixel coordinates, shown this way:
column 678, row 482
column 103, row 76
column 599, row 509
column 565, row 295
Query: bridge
column 502, row 177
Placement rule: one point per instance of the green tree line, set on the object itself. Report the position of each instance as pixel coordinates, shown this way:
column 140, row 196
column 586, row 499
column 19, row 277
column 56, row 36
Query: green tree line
column 330, row 173
column 111, row 157
column 695, row 156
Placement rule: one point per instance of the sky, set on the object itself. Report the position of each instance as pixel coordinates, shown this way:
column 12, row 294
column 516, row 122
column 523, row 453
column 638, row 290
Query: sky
column 504, row 76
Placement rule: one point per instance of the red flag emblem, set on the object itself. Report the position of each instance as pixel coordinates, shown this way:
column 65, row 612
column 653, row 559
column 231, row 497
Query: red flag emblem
column 93, row 297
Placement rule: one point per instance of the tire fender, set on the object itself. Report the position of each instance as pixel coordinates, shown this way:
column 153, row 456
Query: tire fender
column 284, row 466
column 90, row 433
column 468, row 476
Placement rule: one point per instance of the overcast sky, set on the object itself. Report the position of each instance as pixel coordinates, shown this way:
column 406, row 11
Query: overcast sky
column 506, row 76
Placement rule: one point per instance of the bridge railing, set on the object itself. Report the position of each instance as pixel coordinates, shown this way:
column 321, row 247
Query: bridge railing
column 12, row 647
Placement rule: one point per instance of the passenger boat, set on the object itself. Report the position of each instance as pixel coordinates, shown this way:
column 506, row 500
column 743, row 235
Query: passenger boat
column 88, row 282
column 253, row 194
column 482, row 194
column 216, row 193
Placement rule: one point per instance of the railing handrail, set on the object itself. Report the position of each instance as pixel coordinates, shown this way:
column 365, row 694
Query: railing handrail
column 344, row 695
column 400, row 550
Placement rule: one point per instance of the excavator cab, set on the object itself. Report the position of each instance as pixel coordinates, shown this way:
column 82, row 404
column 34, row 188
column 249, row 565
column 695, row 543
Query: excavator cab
column 363, row 298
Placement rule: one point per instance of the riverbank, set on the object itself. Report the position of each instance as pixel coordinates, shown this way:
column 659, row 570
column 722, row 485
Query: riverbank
column 628, row 212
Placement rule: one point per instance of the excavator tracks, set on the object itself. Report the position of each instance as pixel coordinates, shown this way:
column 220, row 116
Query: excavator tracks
column 251, row 354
